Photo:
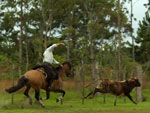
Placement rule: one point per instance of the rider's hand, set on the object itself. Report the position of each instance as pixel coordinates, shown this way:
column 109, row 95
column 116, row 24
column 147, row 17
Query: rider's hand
column 60, row 65
column 60, row 44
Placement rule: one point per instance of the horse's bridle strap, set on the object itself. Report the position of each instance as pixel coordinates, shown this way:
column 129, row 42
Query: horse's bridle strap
column 43, row 72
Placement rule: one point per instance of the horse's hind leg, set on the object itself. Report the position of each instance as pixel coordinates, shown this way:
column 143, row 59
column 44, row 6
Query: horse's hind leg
column 26, row 93
column 37, row 96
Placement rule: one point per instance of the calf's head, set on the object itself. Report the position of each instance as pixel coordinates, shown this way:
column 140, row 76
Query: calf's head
column 135, row 82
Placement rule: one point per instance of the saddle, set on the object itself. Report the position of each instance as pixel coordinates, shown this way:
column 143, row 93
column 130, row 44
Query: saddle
column 49, row 71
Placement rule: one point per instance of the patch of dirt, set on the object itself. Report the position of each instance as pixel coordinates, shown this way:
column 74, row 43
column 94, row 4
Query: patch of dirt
column 4, row 84
column 68, row 85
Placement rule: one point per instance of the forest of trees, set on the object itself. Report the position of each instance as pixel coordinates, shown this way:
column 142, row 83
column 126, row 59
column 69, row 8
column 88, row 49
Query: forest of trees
column 94, row 33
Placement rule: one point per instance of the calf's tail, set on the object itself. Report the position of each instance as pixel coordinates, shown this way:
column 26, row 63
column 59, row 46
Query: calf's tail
column 21, row 82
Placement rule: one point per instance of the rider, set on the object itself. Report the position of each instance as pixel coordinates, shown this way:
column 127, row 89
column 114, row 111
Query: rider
column 47, row 61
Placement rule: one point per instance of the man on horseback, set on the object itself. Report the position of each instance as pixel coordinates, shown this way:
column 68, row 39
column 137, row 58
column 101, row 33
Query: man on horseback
column 49, row 59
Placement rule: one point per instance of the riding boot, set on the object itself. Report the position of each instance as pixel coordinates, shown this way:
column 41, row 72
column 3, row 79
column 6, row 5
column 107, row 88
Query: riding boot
column 49, row 84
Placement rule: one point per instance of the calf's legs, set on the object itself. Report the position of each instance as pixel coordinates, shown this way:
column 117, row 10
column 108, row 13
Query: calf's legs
column 115, row 101
column 92, row 93
column 129, row 96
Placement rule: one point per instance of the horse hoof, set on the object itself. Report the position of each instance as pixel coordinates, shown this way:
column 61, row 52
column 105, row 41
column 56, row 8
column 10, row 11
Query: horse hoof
column 57, row 100
column 30, row 101
column 40, row 98
column 22, row 107
column 91, row 97
column 61, row 101
column 135, row 103
column 41, row 103
column 43, row 106
column 84, row 97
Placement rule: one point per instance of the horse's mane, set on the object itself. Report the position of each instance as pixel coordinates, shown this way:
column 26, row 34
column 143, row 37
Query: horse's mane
column 67, row 62
column 59, row 67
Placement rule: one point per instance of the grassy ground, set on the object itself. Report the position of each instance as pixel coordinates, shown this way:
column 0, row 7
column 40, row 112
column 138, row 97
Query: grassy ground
column 72, row 104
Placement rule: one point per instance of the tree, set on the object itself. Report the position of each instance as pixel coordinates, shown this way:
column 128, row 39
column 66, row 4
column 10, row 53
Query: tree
column 85, row 26
column 21, row 37
column 143, row 40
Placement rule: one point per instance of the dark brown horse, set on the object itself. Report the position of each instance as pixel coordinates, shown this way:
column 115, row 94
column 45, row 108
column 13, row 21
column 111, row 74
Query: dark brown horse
column 116, row 88
column 37, row 80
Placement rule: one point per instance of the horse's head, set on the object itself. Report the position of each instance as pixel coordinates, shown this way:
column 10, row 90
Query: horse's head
column 67, row 69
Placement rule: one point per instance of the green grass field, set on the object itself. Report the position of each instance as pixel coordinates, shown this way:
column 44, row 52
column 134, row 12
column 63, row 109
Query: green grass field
column 73, row 104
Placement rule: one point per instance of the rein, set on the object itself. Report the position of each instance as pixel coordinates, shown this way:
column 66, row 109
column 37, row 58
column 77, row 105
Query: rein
column 43, row 72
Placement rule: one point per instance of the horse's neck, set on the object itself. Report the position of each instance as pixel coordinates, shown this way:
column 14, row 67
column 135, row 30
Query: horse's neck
column 61, row 74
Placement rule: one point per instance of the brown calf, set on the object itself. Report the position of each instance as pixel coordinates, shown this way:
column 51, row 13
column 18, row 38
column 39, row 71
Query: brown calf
column 116, row 88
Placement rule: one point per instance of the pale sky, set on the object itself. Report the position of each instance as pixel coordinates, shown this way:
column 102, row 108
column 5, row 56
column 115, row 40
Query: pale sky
column 139, row 12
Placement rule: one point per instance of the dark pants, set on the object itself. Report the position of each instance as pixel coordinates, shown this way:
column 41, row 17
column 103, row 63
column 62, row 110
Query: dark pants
column 52, row 73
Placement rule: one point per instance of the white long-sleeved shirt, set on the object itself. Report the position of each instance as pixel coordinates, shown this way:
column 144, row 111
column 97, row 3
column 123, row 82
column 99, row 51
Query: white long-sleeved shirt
column 48, row 55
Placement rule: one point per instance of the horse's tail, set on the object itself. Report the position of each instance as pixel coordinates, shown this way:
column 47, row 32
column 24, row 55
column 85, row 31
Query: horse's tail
column 21, row 82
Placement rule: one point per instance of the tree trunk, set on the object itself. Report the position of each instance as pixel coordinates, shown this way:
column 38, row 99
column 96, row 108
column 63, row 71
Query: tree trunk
column 119, row 41
column 46, row 23
column 77, row 79
column 92, row 60
column 139, row 89
column 27, row 54
column 89, row 11
column 68, row 49
column 20, row 41
column 133, row 49
column 97, row 72
column 83, row 80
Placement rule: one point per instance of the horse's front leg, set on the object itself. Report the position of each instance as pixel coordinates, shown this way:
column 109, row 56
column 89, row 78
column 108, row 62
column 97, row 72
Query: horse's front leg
column 61, row 97
column 47, row 95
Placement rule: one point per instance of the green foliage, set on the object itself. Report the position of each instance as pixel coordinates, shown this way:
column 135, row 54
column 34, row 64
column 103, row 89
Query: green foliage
column 143, row 40
column 6, row 67
column 69, row 21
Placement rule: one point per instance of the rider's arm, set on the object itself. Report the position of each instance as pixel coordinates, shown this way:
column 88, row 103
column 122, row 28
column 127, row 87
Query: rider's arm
column 55, row 62
column 51, row 48
column 60, row 44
